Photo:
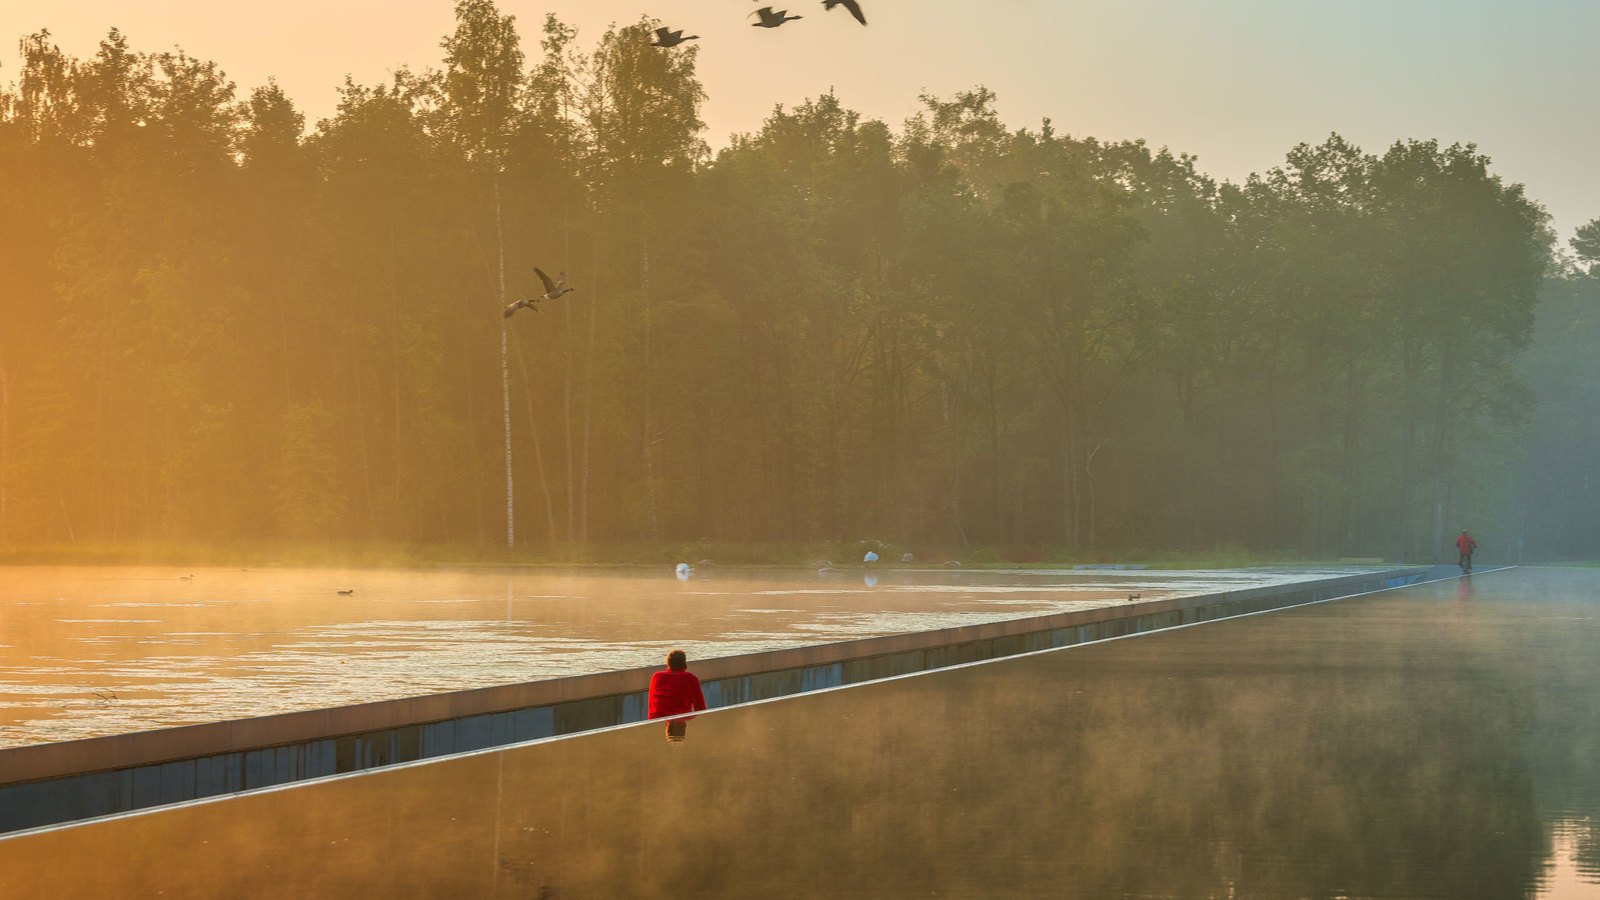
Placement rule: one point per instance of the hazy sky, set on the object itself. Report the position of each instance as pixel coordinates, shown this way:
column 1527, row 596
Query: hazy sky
column 1235, row 82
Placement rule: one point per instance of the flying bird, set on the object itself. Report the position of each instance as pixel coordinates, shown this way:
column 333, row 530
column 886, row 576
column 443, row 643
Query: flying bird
column 553, row 290
column 770, row 19
column 665, row 37
column 852, row 5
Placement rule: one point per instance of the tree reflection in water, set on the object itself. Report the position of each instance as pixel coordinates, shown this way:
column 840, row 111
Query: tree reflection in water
column 1373, row 749
column 1408, row 745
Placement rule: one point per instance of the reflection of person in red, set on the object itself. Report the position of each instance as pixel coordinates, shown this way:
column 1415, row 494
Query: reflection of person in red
column 675, row 690
column 1466, row 545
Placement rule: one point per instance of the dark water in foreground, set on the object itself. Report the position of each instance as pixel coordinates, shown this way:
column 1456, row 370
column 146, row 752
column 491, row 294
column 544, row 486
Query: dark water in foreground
column 1441, row 741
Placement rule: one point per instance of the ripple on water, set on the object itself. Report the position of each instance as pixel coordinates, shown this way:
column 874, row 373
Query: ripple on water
column 235, row 644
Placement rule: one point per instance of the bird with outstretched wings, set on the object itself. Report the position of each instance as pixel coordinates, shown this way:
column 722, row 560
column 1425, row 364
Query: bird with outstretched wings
column 553, row 290
column 666, row 37
column 851, row 5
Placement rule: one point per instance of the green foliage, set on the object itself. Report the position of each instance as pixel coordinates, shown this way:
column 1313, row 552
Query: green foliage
column 1586, row 243
column 309, row 500
column 1554, row 490
column 1003, row 344
column 482, row 81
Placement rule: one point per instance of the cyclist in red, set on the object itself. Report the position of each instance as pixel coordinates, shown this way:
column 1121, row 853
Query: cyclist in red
column 1466, row 545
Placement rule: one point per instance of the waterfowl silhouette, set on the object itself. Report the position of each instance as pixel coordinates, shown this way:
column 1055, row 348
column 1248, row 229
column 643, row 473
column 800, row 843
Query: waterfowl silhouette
column 666, row 37
column 553, row 290
column 348, row 592
column 852, row 5
column 770, row 19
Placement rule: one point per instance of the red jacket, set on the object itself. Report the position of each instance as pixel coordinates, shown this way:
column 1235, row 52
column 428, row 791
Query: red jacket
column 1466, row 544
column 674, row 692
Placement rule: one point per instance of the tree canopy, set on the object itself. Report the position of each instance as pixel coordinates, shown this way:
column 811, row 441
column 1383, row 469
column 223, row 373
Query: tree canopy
column 222, row 326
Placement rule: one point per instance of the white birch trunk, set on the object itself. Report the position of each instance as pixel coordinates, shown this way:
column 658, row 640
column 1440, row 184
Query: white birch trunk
column 505, row 369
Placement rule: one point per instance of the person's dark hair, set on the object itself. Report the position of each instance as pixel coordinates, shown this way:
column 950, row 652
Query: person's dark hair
column 677, row 660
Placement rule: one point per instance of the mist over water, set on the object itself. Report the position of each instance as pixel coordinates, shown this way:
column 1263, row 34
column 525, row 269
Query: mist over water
column 228, row 328
column 1435, row 742
column 92, row 651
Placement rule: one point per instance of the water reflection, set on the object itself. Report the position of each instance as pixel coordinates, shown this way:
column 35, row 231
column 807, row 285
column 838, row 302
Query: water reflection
column 176, row 647
column 1391, row 747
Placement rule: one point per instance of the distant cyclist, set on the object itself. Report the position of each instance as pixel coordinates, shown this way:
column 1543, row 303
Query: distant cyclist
column 1466, row 545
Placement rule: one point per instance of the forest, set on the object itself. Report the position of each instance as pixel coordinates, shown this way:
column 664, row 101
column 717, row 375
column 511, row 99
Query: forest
column 221, row 324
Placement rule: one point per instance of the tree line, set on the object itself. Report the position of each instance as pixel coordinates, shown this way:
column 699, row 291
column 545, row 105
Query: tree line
column 223, row 325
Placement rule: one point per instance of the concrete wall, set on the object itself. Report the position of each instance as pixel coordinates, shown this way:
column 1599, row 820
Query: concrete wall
column 60, row 782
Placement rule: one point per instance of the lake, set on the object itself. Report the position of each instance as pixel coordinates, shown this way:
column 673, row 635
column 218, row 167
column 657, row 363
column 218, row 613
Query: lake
column 91, row 651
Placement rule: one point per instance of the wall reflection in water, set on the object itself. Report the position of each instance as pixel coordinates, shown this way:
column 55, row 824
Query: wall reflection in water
column 1419, row 744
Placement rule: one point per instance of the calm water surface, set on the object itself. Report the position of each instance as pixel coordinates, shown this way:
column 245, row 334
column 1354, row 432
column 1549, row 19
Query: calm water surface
column 1440, row 742
column 93, row 651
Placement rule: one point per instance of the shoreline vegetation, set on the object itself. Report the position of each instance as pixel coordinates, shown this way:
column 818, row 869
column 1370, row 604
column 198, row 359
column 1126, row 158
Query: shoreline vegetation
column 225, row 324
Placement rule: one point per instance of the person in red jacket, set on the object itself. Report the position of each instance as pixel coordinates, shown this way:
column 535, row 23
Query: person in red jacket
column 676, row 690
column 1466, row 545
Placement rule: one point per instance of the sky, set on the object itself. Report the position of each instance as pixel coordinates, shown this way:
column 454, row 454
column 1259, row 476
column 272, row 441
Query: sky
column 1236, row 83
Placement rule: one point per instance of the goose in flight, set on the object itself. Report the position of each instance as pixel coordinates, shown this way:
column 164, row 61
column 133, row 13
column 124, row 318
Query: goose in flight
column 553, row 290
column 852, row 5
column 666, row 37
column 770, row 19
